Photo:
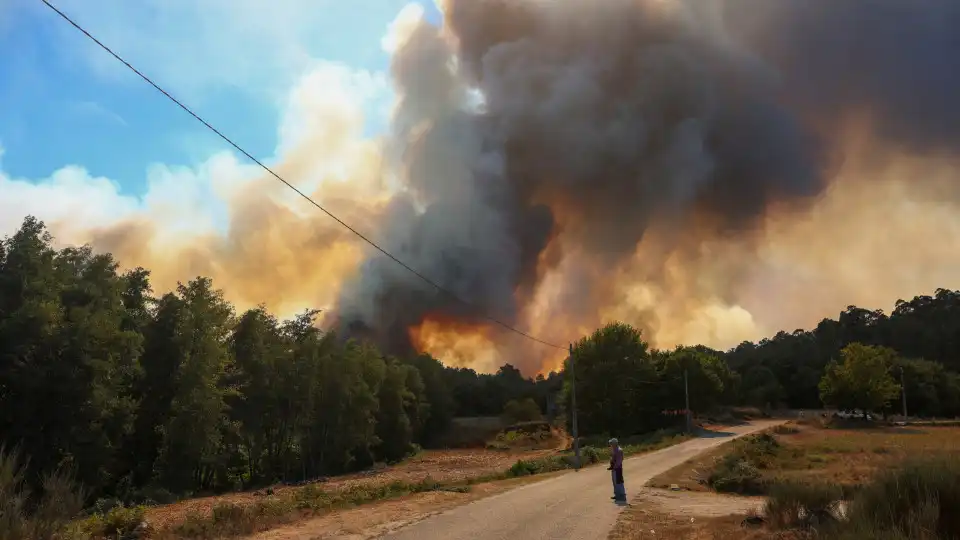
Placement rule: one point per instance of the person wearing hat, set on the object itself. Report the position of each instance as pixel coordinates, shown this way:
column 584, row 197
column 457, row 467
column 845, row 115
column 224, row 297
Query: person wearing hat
column 616, row 471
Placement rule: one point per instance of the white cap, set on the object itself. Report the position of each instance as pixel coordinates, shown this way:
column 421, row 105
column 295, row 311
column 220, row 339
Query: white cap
column 613, row 441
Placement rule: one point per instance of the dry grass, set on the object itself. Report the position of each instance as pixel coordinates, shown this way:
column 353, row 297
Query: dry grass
column 645, row 524
column 440, row 473
column 444, row 466
column 844, row 457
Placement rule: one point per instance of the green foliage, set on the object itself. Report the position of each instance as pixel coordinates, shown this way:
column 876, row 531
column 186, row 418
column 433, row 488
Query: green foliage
column 159, row 397
column 739, row 471
column 228, row 520
column 590, row 455
column 708, row 377
column 118, row 522
column 614, row 372
column 524, row 410
column 623, row 387
column 862, row 380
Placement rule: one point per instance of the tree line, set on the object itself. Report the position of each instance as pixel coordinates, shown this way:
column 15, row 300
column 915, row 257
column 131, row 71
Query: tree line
column 178, row 393
column 920, row 338
column 864, row 360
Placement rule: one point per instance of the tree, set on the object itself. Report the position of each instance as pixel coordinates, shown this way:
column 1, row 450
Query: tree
column 761, row 387
column 175, row 392
column 258, row 348
column 616, row 382
column 196, row 421
column 437, row 406
column 707, row 377
column 394, row 428
column 524, row 410
column 862, row 381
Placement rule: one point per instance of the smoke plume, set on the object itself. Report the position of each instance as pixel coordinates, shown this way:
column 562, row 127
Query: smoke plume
column 624, row 142
column 709, row 171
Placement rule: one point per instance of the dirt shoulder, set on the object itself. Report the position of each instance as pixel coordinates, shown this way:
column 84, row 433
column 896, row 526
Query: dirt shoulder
column 694, row 504
column 373, row 520
column 654, row 524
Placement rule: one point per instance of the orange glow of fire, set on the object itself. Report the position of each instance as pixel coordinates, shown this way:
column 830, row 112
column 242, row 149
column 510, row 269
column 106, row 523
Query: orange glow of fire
column 456, row 343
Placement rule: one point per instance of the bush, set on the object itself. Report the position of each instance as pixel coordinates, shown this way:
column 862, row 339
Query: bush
column 739, row 470
column 525, row 410
column 919, row 500
column 590, row 455
column 786, row 429
column 802, row 505
column 736, row 476
column 118, row 522
column 46, row 516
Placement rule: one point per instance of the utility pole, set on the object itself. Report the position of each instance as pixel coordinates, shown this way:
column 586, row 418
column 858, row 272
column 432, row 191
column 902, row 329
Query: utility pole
column 903, row 394
column 573, row 399
column 686, row 399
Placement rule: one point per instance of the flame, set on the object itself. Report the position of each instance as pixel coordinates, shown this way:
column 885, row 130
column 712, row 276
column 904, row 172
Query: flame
column 457, row 343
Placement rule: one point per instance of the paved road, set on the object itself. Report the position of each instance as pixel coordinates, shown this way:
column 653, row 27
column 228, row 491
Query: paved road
column 575, row 505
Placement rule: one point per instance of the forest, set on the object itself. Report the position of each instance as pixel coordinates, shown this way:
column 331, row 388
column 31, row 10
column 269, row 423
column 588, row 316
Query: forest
column 149, row 396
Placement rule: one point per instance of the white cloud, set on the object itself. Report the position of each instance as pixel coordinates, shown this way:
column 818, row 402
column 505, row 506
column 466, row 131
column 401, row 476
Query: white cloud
column 70, row 194
column 321, row 137
column 195, row 47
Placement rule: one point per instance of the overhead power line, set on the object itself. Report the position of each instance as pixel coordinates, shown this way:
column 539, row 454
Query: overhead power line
column 427, row 280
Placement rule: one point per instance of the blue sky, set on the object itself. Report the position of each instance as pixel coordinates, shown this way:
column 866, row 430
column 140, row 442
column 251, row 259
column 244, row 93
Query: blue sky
column 63, row 101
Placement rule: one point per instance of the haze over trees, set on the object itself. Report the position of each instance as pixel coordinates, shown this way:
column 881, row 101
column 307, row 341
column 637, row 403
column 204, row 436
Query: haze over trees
column 144, row 394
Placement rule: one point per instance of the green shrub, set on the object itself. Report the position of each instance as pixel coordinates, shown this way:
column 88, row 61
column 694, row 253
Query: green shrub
column 117, row 522
column 590, row 455
column 739, row 471
column 736, row 475
column 523, row 468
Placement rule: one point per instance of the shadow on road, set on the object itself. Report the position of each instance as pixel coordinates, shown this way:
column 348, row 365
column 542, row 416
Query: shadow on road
column 711, row 434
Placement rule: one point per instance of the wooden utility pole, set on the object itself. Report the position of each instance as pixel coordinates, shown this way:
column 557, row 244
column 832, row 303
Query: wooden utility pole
column 573, row 399
column 903, row 394
column 686, row 399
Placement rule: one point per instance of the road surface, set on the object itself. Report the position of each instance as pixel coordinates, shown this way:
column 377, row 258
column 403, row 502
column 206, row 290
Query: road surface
column 575, row 505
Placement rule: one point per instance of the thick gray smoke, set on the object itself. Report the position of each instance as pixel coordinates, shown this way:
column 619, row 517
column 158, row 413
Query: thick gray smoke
column 602, row 121
column 897, row 60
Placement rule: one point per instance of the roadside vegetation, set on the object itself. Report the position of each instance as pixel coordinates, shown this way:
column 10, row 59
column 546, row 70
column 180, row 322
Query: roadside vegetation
column 50, row 518
column 845, row 457
column 823, row 481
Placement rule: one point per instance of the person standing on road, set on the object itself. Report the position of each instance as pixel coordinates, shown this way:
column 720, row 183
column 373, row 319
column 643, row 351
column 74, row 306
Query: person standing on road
column 616, row 471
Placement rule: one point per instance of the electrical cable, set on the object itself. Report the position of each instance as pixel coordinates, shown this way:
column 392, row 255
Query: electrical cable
column 432, row 283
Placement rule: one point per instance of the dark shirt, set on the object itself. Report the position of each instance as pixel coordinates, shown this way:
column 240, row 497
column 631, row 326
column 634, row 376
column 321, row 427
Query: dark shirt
column 616, row 458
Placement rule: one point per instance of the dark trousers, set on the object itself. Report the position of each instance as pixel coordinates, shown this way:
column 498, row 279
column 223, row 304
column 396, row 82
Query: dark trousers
column 619, row 491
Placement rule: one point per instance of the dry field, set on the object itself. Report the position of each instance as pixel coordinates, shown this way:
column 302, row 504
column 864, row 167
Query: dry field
column 845, row 457
column 441, row 465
